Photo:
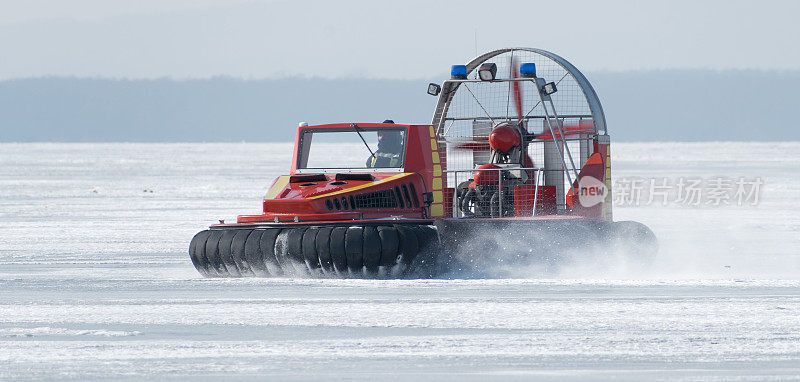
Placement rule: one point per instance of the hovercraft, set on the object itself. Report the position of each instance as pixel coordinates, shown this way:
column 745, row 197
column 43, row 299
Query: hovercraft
column 515, row 167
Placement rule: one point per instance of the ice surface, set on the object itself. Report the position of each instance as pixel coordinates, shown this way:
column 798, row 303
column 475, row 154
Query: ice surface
column 95, row 281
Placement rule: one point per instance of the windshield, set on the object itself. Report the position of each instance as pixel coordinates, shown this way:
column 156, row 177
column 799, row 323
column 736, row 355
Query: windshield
column 352, row 148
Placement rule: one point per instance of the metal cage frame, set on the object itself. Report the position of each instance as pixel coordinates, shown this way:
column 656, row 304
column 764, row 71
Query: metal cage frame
column 449, row 87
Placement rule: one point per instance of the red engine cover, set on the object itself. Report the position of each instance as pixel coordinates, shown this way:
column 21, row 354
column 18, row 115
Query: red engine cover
column 504, row 138
column 487, row 178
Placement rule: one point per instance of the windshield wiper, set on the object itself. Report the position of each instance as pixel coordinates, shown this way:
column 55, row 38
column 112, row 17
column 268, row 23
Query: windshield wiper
column 358, row 131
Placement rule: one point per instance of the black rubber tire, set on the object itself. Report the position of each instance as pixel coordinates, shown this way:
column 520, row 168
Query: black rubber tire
column 338, row 254
column 376, row 251
column 409, row 245
column 353, row 246
column 253, row 255
column 371, row 250
column 237, row 251
column 215, row 267
column 323, row 245
column 268, row 254
column 197, row 252
column 295, row 251
column 468, row 204
column 390, row 243
column 494, row 205
column 310, row 249
column 225, row 243
column 282, row 251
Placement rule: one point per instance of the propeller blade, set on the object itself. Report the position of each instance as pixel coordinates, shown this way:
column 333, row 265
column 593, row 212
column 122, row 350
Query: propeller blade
column 474, row 146
column 482, row 144
column 516, row 88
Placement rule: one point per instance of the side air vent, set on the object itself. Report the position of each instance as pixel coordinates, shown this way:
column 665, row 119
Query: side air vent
column 307, row 178
column 406, row 195
column 399, row 197
column 414, row 196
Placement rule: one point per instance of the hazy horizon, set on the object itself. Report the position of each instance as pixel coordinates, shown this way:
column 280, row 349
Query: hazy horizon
column 665, row 105
column 230, row 70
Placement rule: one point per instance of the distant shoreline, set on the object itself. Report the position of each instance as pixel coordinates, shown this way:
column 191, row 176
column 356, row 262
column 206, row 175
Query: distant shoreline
column 665, row 105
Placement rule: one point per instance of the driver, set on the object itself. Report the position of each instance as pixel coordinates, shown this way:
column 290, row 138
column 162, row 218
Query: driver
column 390, row 147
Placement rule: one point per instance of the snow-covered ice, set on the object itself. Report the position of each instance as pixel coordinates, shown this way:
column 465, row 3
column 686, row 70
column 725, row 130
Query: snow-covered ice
column 95, row 281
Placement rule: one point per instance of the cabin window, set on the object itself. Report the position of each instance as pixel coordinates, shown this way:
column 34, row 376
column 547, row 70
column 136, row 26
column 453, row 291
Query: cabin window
column 344, row 149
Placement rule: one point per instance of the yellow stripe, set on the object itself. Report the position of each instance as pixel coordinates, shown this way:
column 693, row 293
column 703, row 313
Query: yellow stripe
column 433, row 132
column 277, row 187
column 437, row 197
column 437, row 170
column 434, row 147
column 389, row 179
column 437, row 210
column 437, row 183
column 435, row 157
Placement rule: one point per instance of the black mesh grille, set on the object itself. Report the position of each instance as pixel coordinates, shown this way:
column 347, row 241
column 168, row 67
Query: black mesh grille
column 377, row 199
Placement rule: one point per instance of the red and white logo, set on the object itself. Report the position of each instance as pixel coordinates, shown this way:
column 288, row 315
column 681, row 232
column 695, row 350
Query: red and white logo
column 591, row 191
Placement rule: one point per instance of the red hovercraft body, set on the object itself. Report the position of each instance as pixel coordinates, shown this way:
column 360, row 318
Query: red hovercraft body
column 514, row 169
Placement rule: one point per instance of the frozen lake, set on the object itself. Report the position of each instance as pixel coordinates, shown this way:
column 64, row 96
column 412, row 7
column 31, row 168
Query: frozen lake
column 96, row 282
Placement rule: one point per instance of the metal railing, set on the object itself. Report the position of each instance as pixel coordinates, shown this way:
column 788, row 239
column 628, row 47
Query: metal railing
column 537, row 177
column 527, row 117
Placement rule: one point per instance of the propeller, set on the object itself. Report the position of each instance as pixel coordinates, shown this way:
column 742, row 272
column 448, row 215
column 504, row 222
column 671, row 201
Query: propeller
column 516, row 93
column 516, row 88
column 482, row 144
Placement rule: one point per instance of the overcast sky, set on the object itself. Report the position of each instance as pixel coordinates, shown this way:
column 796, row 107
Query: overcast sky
column 377, row 39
